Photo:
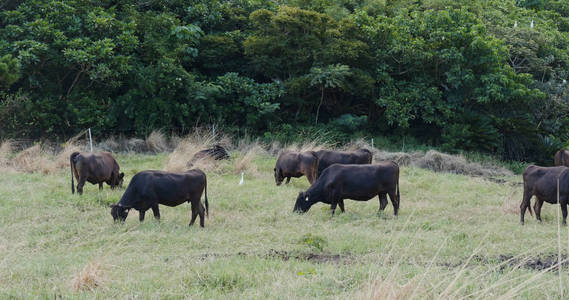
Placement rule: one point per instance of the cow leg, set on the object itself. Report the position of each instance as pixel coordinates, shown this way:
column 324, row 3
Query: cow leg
column 156, row 211
column 194, row 213
column 141, row 215
column 382, row 201
column 537, row 208
column 525, row 204
column 100, row 186
column 394, row 201
column 287, row 180
column 333, row 207
column 201, row 213
column 564, row 211
column 341, row 204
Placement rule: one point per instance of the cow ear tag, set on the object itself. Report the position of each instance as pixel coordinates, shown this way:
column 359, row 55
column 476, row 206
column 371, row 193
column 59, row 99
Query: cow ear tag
column 306, row 199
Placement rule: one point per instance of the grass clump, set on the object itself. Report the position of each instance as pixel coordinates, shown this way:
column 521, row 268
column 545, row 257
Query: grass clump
column 89, row 278
column 157, row 142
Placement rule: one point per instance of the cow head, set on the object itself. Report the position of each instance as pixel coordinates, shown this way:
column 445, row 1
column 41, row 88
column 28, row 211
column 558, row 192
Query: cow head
column 119, row 180
column 278, row 176
column 119, row 212
column 303, row 203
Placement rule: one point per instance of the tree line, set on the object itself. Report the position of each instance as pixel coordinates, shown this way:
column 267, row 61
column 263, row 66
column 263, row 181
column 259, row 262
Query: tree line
column 474, row 75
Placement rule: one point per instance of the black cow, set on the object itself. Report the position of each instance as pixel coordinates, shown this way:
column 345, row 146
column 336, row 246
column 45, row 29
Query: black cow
column 357, row 182
column 216, row 152
column 147, row 189
column 327, row 158
column 95, row 168
column 542, row 182
column 296, row 164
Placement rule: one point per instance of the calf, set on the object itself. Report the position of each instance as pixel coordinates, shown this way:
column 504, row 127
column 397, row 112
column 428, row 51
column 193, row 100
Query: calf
column 147, row 189
column 541, row 182
column 357, row 182
column 296, row 164
column 95, row 168
column 327, row 158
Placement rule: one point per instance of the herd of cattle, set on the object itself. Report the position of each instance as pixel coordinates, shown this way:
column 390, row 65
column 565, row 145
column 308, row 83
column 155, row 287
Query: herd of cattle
column 333, row 175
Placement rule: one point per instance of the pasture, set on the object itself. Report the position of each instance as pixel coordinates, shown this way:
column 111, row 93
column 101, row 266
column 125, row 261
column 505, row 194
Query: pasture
column 456, row 237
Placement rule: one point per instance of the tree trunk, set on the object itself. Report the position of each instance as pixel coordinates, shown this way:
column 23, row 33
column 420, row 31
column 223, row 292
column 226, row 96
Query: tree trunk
column 318, row 109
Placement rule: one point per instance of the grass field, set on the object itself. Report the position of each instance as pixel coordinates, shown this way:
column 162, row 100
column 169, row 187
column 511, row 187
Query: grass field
column 456, row 237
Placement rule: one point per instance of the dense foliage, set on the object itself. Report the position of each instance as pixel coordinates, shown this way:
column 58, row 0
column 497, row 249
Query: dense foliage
column 488, row 76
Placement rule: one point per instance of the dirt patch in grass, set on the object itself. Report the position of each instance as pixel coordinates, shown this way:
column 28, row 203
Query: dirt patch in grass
column 537, row 263
column 319, row 258
column 311, row 257
column 534, row 263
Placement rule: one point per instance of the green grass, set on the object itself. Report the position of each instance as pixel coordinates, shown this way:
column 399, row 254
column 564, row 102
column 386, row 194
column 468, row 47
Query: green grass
column 253, row 246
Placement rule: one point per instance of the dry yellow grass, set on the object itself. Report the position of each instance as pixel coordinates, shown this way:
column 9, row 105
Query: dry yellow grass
column 511, row 204
column 315, row 145
column 380, row 289
column 34, row 160
column 89, row 278
column 180, row 159
column 62, row 158
column 244, row 161
column 6, row 150
column 156, row 142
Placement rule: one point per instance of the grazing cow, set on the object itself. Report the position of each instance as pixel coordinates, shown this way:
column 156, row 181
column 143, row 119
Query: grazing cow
column 216, row 152
column 95, row 168
column 561, row 158
column 357, row 182
column 327, row 158
column 296, row 164
column 147, row 189
column 541, row 182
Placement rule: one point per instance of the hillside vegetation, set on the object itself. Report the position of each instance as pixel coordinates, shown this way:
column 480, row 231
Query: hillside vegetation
column 456, row 237
column 485, row 75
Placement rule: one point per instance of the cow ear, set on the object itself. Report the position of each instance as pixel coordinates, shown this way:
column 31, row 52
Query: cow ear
column 121, row 175
column 112, row 205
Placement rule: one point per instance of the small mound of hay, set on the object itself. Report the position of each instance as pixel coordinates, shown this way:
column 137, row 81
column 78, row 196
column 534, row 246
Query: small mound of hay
column 110, row 144
column 156, row 142
column 136, row 145
column 89, row 278
column 401, row 158
column 441, row 162
column 34, row 160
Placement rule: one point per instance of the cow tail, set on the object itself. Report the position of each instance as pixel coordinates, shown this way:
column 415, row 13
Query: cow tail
column 72, row 166
column 206, row 204
column 563, row 157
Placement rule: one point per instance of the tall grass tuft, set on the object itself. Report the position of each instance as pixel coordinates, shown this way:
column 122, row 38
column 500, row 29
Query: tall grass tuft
column 181, row 158
column 89, row 278
column 243, row 162
column 156, row 142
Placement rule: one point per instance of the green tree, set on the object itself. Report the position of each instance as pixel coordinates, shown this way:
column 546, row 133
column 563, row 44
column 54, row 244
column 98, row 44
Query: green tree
column 9, row 71
column 328, row 77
